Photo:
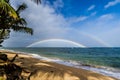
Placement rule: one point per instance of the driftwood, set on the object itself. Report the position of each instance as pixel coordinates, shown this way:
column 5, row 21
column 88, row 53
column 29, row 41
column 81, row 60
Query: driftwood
column 11, row 70
column 3, row 57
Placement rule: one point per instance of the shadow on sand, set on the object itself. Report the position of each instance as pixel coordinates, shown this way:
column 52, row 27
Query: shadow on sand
column 34, row 69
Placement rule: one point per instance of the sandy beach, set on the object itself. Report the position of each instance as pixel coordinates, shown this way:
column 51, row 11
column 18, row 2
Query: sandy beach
column 45, row 70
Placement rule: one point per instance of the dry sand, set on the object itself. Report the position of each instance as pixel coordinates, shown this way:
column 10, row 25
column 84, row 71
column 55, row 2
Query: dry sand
column 44, row 70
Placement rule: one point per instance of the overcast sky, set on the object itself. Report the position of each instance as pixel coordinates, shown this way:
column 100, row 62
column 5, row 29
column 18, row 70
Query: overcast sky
column 92, row 23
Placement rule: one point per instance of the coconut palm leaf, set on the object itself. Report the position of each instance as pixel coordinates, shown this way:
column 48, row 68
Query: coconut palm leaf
column 22, row 29
column 19, row 24
column 21, row 8
column 7, row 9
column 4, row 34
column 10, row 19
column 37, row 1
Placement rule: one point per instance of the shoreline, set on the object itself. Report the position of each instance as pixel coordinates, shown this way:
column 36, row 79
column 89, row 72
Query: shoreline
column 107, row 71
column 76, row 71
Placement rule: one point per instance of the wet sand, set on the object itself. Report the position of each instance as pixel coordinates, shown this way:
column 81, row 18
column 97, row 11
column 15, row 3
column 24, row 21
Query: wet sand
column 45, row 70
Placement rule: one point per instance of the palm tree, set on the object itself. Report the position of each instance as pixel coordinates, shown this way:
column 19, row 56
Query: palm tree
column 4, row 35
column 11, row 20
column 6, row 8
column 20, row 23
column 8, row 14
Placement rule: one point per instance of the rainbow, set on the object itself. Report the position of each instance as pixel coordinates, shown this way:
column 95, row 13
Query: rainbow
column 56, row 40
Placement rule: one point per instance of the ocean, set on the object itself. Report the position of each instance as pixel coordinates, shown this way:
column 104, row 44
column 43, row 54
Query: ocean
column 102, row 60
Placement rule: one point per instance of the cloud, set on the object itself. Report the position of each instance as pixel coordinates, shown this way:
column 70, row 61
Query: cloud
column 44, row 21
column 106, row 28
column 72, row 20
column 58, row 4
column 93, row 13
column 79, row 19
column 106, row 17
column 91, row 7
column 47, row 24
column 112, row 3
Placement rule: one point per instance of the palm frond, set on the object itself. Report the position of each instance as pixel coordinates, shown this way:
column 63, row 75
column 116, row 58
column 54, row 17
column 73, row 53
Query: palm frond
column 37, row 1
column 4, row 34
column 20, row 21
column 7, row 9
column 21, row 7
column 8, row 1
column 22, row 29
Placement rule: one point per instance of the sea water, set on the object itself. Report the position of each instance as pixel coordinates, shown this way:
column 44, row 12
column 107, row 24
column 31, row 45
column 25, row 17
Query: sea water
column 102, row 60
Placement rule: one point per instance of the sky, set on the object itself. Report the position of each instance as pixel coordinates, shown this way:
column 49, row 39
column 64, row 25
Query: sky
column 92, row 23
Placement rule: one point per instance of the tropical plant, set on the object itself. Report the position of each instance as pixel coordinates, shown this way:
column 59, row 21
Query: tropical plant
column 4, row 35
column 6, row 8
column 11, row 20
column 37, row 1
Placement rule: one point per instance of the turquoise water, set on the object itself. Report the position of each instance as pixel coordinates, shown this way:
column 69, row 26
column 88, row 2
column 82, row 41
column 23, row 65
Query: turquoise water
column 94, row 56
column 86, row 58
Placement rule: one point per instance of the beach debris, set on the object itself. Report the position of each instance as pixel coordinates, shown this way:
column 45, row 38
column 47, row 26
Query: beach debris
column 14, row 58
column 10, row 70
column 3, row 57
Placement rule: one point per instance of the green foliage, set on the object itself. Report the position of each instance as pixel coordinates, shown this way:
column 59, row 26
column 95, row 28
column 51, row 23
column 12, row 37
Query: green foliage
column 4, row 34
column 11, row 20
column 7, row 9
column 37, row 1
column 21, row 7
column 2, row 78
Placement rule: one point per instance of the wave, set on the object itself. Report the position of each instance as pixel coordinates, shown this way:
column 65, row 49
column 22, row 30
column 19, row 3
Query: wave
column 99, row 69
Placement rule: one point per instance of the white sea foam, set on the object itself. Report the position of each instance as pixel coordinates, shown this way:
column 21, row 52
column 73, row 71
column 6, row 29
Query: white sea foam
column 103, row 70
